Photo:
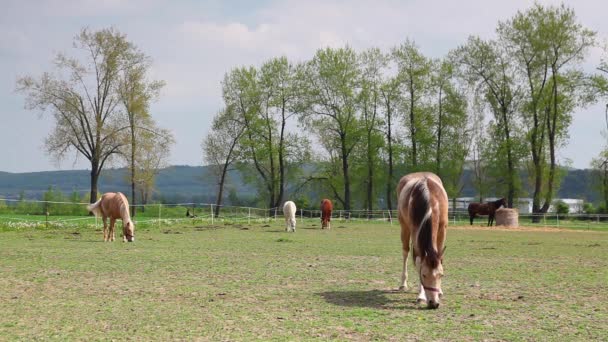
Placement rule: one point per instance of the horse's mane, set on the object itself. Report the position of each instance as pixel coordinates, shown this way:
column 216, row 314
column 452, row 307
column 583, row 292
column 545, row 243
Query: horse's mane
column 425, row 233
column 124, row 208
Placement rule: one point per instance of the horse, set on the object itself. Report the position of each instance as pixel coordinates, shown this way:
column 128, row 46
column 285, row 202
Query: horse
column 289, row 210
column 326, row 208
column 423, row 216
column 488, row 208
column 115, row 206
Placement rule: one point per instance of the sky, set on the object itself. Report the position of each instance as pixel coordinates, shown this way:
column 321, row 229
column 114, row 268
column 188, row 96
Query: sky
column 194, row 43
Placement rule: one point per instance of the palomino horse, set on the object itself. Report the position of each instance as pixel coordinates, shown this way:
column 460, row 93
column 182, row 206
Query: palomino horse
column 423, row 215
column 115, row 206
column 326, row 208
column 488, row 208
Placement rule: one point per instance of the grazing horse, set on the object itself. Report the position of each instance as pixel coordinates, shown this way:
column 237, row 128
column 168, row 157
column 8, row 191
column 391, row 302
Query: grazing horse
column 289, row 210
column 115, row 206
column 326, row 208
column 488, row 208
column 423, row 216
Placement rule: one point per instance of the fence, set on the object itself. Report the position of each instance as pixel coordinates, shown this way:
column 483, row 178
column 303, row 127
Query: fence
column 40, row 214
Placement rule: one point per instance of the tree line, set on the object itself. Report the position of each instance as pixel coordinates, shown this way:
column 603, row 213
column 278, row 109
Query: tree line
column 498, row 106
column 345, row 124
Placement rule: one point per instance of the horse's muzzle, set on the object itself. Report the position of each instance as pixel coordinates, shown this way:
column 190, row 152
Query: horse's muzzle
column 433, row 304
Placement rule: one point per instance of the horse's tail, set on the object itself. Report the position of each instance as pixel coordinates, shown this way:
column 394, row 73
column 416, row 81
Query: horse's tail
column 95, row 208
column 422, row 216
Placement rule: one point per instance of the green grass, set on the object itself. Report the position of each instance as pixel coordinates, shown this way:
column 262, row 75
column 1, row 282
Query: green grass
column 256, row 282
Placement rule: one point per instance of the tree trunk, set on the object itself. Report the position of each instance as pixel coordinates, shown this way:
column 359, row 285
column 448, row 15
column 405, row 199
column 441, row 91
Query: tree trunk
column 220, row 192
column 94, row 179
column 439, row 129
column 133, row 146
column 389, row 181
column 413, row 127
column 345, row 173
column 282, row 157
column 370, row 172
column 510, row 164
column 551, row 130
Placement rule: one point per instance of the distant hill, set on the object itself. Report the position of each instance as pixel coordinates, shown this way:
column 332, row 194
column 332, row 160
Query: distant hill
column 174, row 184
column 177, row 184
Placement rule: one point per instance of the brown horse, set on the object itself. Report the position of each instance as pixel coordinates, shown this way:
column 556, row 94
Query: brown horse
column 423, row 215
column 488, row 208
column 115, row 206
column 326, row 208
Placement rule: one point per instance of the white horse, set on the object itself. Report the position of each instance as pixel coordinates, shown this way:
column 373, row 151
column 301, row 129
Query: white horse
column 289, row 209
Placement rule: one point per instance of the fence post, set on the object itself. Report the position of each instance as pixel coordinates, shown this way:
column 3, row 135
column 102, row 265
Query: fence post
column 301, row 215
column 390, row 218
column 160, row 206
column 275, row 213
column 557, row 219
column 211, row 205
column 249, row 216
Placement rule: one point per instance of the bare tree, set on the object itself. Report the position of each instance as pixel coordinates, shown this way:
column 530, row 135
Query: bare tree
column 220, row 148
column 82, row 97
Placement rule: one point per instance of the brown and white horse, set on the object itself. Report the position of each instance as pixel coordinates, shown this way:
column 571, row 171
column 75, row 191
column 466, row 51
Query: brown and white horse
column 326, row 208
column 423, row 215
column 115, row 206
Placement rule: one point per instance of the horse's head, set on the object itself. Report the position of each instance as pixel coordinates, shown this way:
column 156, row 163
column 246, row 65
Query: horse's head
column 431, row 272
column 128, row 231
column 501, row 202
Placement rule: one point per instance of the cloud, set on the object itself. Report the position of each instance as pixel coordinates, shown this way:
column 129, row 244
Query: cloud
column 193, row 44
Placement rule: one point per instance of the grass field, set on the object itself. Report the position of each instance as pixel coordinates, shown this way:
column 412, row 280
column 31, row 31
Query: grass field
column 256, row 282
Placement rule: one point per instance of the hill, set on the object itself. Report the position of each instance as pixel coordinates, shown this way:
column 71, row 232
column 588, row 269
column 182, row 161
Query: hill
column 178, row 184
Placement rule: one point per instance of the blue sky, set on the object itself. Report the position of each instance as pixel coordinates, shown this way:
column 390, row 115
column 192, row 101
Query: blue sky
column 193, row 43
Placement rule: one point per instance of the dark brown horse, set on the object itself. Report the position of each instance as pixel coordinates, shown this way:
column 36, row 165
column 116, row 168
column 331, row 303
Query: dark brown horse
column 326, row 208
column 423, row 215
column 488, row 208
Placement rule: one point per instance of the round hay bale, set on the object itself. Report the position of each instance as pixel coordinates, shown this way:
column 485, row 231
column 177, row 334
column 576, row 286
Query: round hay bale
column 507, row 217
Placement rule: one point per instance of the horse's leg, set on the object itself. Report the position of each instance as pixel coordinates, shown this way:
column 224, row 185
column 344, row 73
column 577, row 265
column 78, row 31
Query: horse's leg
column 405, row 248
column 471, row 217
column 112, row 235
column 421, row 294
column 105, row 229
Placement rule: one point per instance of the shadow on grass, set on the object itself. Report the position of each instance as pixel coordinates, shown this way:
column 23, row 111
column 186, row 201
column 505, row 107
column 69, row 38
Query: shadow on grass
column 376, row 299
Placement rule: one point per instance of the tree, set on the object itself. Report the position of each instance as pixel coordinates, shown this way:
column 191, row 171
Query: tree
column 220, row 148
column 136, row 93
column 486, row 66
column 544, row 42
column 389, row 91
column 332, row 88
column 82, row 97
column 264, row 100
column 414, row 74
column 152, row 150
column 372, row 63
column 452, row 132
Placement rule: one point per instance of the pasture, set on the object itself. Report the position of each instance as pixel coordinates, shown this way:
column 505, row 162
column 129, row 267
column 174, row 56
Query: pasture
column 256, row 282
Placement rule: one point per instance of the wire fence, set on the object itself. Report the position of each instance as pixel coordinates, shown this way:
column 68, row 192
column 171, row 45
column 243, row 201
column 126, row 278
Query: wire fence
column 49, row 214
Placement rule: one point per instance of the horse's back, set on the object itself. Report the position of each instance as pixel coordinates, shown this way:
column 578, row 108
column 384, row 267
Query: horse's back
column 112, row 202
column 326, row 208
column 289, row 209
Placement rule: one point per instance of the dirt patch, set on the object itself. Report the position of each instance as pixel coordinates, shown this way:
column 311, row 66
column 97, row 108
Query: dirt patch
column 520, row 228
